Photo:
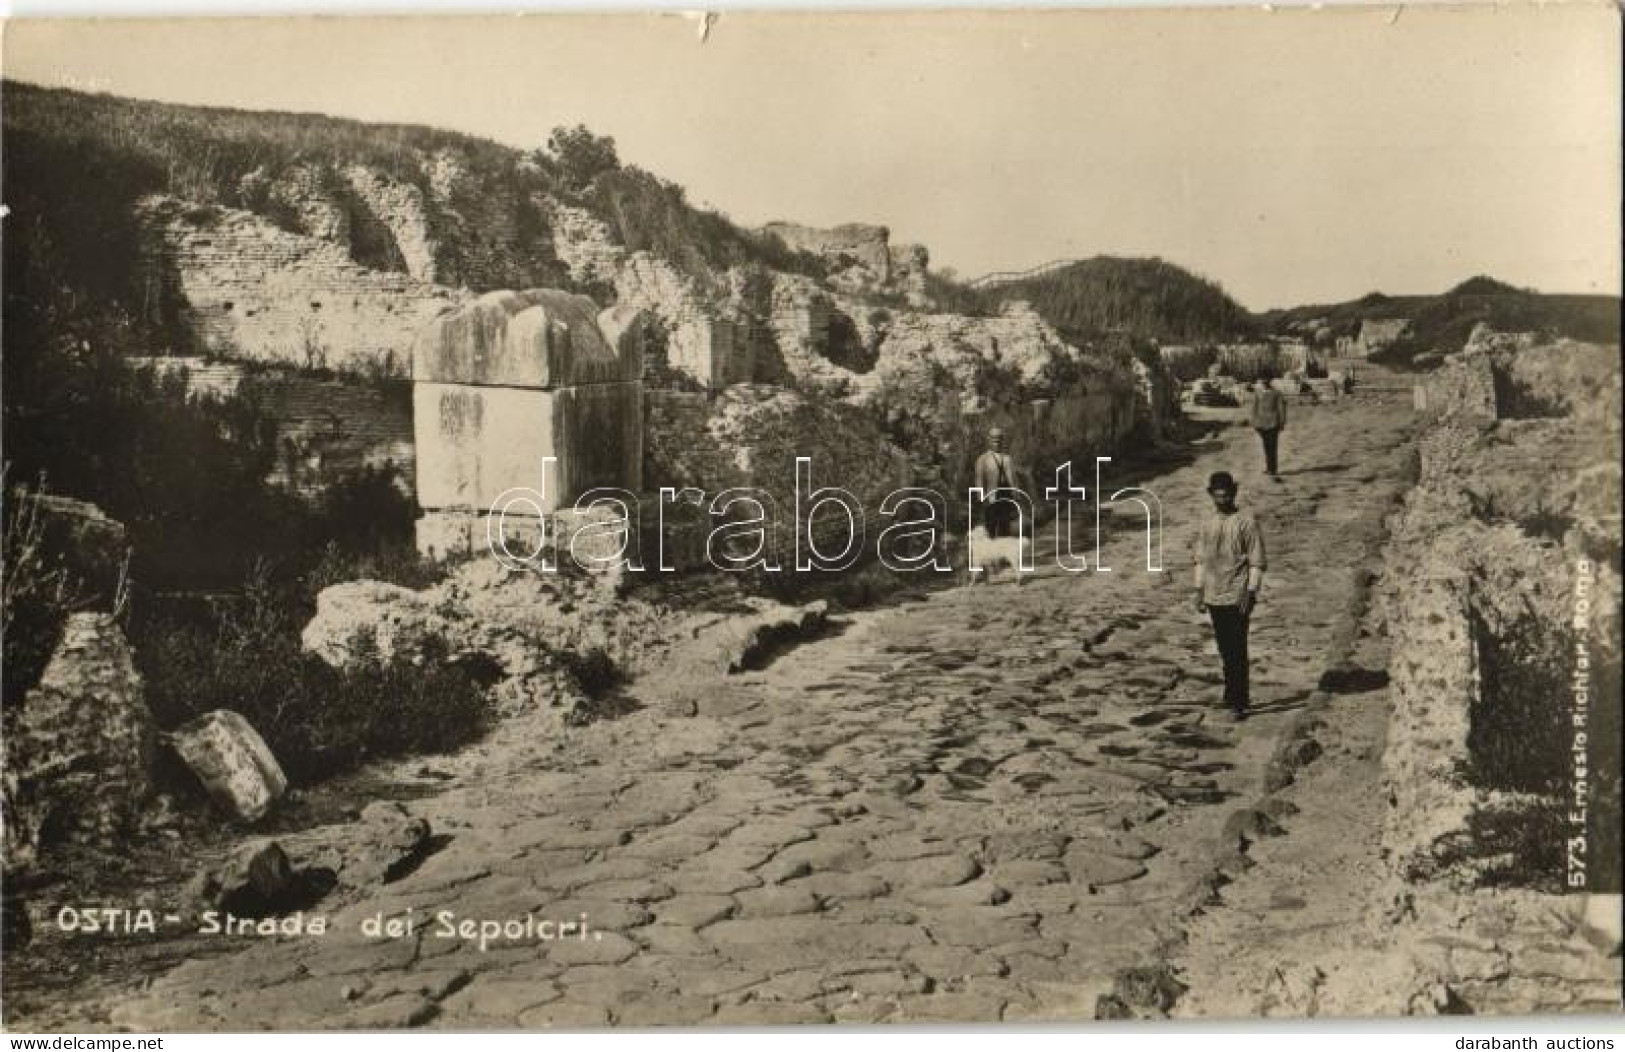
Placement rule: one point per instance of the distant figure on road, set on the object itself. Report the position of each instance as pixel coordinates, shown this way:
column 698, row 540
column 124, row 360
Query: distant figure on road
column 995, row 474
column 1229, row 569
column 1003, row 538
column 1269, row 420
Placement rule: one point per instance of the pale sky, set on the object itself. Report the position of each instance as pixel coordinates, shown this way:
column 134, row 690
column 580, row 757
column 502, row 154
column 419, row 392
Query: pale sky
column 1293, row 156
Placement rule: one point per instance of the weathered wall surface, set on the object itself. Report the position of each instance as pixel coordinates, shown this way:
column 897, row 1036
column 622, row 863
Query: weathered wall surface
column 941, row 380
column 249, row 289
column 862, row 258
column 702, row 339
column 1463, row 388
column 399, row 208
column 490, row 232
column 584, row 245
column 339, row 269
column 509, row 381
column 79, row 749
column 750, row 435
column 1512, row 520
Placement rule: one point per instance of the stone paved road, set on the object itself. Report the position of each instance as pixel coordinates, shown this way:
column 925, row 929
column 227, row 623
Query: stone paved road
column 976, row 806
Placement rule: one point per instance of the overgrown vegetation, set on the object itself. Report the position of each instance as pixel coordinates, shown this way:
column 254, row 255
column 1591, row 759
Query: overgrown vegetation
column 1441, row 324
column 647, row 213
column 243, row 652
column 1143, row 297
column 70, row 153
column 37, row 593
column 225, row 568
column 212, row 156
column 950, row 295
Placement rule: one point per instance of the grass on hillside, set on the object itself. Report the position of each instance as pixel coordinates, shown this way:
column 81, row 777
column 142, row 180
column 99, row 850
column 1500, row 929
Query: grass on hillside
column 1146, row 298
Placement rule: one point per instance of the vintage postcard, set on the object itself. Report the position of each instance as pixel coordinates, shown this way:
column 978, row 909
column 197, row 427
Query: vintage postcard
column 609, row 520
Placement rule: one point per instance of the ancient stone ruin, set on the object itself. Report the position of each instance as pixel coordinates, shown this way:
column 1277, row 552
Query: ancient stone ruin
column 1503, row 598
column 536, row 391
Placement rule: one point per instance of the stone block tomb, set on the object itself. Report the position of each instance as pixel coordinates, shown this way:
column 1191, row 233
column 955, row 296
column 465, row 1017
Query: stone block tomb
column 509, row 381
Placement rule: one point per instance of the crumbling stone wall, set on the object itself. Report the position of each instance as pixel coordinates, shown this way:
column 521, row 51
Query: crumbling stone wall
column 302, row 197
column 491, row 232
column 862, row 259
column 749, row 435
column 941, row 380
column 1518, row 376
column 247, row 288
column 817, row 339
column 1462, row 388
column 703, row 340
column 400, row 208
column 78, row 751
column 853, row 244
column 584, row 244
column 1511, row 520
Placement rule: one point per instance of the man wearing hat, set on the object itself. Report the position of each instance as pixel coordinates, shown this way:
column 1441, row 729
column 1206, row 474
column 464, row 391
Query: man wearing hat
column 1229, row 569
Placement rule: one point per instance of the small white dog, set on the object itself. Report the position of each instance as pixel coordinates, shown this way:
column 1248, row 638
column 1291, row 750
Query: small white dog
column 986, row 555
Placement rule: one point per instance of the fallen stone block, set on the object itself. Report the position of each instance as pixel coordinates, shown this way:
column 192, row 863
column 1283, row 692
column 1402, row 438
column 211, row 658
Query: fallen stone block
column 233, row 762
column 387, row 841
column 370, row 621
column 256, row 881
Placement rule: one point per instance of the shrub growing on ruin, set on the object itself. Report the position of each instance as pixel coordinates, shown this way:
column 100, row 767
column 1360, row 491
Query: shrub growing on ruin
column 243, row 653
column 35, row 596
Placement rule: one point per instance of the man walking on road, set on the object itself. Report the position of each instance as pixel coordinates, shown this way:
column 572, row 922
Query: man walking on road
column 996, row 475
column 1229, row 569
column 1269, row 420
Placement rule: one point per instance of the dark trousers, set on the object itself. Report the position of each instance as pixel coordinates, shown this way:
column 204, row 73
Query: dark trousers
column 1230, row 629
column 999, row 516
column 1270, row 436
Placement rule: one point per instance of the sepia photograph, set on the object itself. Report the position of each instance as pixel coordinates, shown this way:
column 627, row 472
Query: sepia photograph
column 867, row 519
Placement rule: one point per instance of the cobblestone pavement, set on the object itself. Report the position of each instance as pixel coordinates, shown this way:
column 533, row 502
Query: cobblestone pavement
column 973, row 806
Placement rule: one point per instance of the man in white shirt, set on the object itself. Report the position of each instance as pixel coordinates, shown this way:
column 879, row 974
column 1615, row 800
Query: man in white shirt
column 1230, row 565
column 1269, row 420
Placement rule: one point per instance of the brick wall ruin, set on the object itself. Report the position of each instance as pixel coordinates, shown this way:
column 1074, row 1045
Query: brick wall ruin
column 400, row 209
column 345, row 279
column 246, row 288
column 327, row 429
column 702, row 340
column 584, row 245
